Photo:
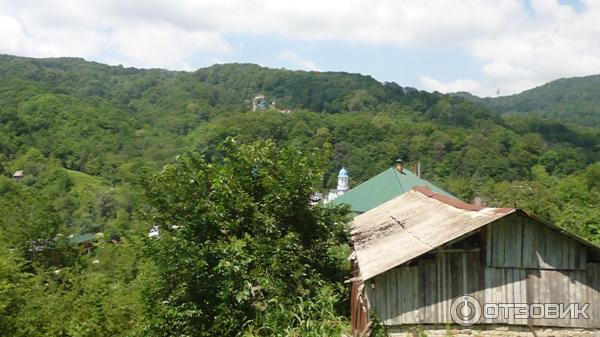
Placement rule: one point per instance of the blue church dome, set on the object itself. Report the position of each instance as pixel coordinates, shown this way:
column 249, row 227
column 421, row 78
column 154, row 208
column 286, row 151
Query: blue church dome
column 343, row 173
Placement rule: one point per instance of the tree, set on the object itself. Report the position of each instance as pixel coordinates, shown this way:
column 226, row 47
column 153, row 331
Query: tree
column 11, row 277
column 239, row 239
column 29, row 223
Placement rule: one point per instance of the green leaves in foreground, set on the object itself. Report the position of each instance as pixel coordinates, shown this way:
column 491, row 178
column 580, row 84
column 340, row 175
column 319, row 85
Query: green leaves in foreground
column 241, row 249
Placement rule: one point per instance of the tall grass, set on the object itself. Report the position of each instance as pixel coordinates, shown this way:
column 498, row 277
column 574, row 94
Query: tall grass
column 314, row 316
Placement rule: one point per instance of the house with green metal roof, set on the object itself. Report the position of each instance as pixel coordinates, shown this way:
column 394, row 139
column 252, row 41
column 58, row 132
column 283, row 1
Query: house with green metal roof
column 383, row 187
column 82, row 238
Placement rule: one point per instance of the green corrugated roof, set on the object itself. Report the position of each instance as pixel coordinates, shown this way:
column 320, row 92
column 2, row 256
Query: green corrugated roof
column 383, row 187
column 83, row 238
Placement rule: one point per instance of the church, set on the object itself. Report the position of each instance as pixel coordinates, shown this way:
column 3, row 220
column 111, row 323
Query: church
column 342, row 186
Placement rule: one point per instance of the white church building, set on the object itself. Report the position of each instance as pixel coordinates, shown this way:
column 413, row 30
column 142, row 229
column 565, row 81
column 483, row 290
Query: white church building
column 342, row 186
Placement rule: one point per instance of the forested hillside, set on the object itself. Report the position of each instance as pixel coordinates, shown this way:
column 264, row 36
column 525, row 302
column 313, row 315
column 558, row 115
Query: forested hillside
column 571, row 100
column 93, row 141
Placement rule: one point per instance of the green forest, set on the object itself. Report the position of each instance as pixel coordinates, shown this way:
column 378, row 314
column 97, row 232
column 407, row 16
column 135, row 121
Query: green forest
column 569, row 100
column 109, row 154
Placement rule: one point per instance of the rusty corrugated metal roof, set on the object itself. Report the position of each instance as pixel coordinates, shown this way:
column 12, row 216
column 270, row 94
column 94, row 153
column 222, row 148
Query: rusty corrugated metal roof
column 413, row 224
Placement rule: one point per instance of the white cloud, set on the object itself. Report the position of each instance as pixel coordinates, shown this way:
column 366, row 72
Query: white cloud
column 12, row 36
column 431, row 84
column 163, row 45
column 557, row 42
column 296, row 61
column 105, row 31
column 518, row 46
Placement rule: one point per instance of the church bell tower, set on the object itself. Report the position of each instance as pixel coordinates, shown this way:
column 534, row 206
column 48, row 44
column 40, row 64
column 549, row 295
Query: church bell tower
column 342, row 180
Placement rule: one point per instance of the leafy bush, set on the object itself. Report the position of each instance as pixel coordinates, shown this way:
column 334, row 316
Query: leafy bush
column 241, row 247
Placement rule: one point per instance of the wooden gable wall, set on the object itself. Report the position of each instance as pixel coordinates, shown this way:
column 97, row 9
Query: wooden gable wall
column 521, row 242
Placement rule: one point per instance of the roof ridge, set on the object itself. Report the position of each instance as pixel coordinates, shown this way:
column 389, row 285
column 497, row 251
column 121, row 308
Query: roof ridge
column 456, row 203
column 395, row 173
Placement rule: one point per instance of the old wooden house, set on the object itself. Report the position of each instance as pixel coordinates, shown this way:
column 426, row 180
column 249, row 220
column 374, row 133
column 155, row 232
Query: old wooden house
column 420, row 252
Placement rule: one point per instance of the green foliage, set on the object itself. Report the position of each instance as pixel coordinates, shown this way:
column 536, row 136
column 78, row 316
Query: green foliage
column 11, row 277
column 93, row 298
column 571, row 100
column 377, row 330
column 367, row 142
column 312, row 315
column 239, row 239
column 29, row 223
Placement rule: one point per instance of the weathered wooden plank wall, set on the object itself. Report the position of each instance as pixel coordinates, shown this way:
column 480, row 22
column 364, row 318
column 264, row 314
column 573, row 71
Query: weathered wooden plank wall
column 520, row 242
column 423, row 293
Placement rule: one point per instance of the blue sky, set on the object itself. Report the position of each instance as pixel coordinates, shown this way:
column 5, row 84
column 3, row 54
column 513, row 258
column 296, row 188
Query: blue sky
column 386, row 63
column 480, row 46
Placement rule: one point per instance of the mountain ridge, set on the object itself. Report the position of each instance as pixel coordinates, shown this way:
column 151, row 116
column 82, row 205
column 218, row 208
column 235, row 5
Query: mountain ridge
column 571, row 100
column 105, row 120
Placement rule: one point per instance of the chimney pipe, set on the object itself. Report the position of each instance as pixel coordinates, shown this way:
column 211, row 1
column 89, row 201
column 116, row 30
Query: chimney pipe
column 419, row 169
column 399, row 165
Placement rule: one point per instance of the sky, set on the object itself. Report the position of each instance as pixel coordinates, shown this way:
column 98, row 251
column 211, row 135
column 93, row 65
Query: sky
column 486, row 47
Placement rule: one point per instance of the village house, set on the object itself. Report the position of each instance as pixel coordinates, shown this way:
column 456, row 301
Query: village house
column 18, row 175
column 85, row 240
column 419, row 254
column 425, row 261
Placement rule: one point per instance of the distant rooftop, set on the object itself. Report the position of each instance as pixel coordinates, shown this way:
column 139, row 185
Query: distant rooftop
column 81, row 238
column 383, row 187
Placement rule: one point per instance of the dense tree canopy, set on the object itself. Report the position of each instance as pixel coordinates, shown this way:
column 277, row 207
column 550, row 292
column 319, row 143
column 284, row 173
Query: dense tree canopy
column 240, row 241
